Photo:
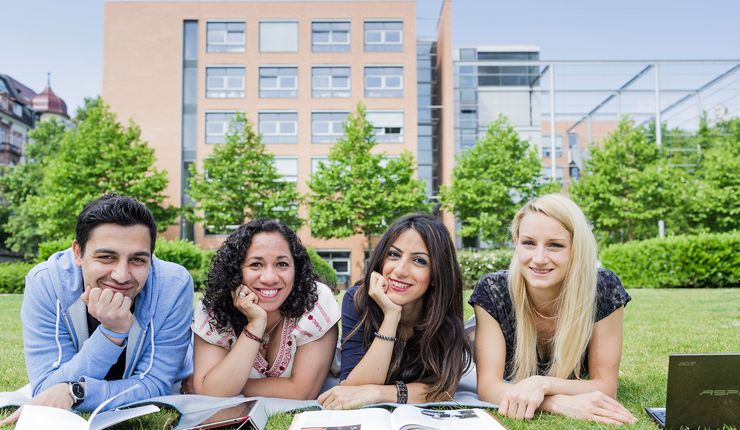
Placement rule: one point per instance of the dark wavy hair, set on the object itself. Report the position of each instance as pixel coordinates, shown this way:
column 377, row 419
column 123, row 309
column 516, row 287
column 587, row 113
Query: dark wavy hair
column 437, row 353
column 225, row 275
column 114, row 209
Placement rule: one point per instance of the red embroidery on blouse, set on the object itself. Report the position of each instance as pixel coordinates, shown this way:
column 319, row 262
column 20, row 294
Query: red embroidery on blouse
column 323, row 313
column 284, row 354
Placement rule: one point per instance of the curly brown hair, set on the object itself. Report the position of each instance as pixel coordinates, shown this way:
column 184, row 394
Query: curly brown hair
column 225, row 275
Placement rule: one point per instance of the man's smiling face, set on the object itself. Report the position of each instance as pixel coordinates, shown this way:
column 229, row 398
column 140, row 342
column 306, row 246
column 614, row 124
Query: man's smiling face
column 115, row 257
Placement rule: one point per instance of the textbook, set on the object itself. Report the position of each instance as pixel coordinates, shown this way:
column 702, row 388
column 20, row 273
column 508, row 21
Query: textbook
column 35, row 417
column 405, row 417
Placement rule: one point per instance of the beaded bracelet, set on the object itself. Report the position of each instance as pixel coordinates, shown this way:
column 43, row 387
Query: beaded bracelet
column 402, row 392
column 112, row 334
column 388, row 338
column 253, row 336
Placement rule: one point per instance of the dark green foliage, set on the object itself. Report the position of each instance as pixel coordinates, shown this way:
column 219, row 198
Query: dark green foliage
column 46, row 249
column 188, row 255
column 475, row 264
column 12, row 277
column 326, row 273
column 699, row 261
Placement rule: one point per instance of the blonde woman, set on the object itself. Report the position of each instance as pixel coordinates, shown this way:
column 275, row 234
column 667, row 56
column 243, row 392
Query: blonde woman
column 549, row 330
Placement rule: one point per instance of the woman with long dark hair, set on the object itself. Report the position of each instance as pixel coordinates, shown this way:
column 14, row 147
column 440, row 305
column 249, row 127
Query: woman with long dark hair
column 266, row 326
column 402, row 325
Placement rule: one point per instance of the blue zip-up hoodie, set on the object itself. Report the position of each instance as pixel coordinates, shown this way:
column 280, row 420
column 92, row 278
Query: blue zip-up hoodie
column 58, row 349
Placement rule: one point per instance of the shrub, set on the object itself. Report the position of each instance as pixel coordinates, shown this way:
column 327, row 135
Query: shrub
column 46, row 249
column 326, row 273
column 188, row 255
column 475, row 264
column 12, row 277
column 700, row 261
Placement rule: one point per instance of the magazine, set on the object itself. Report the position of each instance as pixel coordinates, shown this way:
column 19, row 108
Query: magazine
column 34, row 417
column 405, row 417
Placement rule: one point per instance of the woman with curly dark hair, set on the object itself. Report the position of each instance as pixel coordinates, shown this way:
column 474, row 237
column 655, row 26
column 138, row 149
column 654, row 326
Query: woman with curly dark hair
column 266, row 326
column 402, row 326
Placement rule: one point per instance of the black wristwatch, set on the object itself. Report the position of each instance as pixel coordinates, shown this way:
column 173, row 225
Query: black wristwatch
column 77, row 391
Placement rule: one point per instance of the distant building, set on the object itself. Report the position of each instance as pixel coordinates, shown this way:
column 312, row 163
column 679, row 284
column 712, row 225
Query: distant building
column 20, row 109
column 182, row 69
column 16, row 119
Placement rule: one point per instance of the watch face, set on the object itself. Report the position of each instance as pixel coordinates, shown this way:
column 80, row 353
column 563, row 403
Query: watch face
column 78, row 391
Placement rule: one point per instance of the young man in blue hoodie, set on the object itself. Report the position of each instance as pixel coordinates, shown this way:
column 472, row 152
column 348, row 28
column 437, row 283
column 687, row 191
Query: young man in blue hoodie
column 106, row 315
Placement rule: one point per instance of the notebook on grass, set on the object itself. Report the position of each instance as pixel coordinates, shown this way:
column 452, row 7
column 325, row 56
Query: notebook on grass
column 703, row 392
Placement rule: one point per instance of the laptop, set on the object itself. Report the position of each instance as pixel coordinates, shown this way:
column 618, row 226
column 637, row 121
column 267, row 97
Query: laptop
column 703, row 392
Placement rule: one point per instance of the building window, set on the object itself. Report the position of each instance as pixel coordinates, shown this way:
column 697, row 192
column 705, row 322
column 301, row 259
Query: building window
column 330, row 36
column 278, row 82
column 217, row 126
column 340, row 262
column 330, row 82
column 388, row 126
column 383, row 81
column 225, row 36
column 287, row 167
column 546, row 149
column 278, row 36
column 383, row 36
column 315, row 161
column 278, row 127
column 327, row 127
column 547, row 174
column 225, row 82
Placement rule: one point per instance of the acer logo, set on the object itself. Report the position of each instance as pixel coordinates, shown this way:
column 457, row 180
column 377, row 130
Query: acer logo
column 719, row 393
column 686, row 363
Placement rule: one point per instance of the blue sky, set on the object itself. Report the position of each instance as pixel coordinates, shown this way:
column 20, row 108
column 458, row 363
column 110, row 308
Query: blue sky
column 65, row 37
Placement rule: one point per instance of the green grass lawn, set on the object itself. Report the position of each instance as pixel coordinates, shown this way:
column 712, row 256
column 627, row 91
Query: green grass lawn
column 657, row 322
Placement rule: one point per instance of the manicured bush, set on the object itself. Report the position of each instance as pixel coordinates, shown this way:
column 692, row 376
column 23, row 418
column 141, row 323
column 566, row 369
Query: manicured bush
column 700, row 261
column 182, row 252
column 326, row 273
column 46, row 249
column 475, row 264
column 12, row 277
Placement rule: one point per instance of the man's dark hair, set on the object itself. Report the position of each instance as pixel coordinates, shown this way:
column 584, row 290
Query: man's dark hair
column 114, row 209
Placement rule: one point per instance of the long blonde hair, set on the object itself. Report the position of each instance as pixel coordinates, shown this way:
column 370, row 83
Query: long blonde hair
column 576, row 303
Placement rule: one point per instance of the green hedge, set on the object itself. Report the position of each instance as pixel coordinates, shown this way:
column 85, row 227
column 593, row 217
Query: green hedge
column 326, row 273
column 12, row 277
column 701, row 261
column 46, row 249
column 475, row 264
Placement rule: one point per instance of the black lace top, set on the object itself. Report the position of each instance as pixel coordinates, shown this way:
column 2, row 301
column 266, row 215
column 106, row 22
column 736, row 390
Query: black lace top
column 492, row 294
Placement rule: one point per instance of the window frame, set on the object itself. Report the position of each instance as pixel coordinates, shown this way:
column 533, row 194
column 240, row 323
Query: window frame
column 333, row 45
column 331, row 91
column 383, row 91
column 383, row 45
column 281, row 92
column 278, row 137
column 333, row 134
column 210, row 93
column 240, row 46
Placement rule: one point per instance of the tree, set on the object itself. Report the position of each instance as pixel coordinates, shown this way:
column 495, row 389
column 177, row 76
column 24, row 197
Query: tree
column 354, row 192
column 97, row 156
column 627, row 185
column 19, row 182
column 491, row 180
column 239, row 181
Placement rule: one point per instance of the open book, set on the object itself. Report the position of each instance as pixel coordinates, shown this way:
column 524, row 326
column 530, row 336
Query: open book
column 405, row 417
column 35, row 417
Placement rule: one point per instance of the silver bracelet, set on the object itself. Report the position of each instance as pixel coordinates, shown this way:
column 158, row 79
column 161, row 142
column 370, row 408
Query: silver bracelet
column 388, row 338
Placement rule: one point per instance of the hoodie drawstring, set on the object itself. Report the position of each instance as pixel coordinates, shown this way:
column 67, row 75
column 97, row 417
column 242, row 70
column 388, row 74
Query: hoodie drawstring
column 58, row 363
column 151, row 352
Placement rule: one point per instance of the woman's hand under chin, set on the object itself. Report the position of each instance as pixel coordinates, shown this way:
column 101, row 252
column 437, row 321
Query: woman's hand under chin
column 378, row 291
column 247, row 302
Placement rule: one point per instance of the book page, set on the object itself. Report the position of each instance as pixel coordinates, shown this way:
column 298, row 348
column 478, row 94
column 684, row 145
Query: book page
column 411, row 417
column 107, row 419
column 35, row 417
column 361, row 419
